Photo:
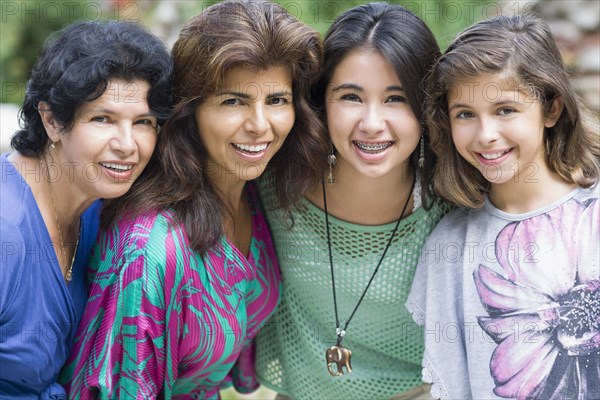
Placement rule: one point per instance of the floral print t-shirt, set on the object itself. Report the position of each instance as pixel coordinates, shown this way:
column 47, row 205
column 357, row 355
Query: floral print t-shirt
column 164, row 322
column 511, row 303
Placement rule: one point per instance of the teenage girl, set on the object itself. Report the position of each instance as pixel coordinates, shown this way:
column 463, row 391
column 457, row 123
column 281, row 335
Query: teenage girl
column 348, row 257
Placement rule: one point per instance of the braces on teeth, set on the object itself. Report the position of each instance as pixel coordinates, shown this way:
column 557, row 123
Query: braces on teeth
column 373, row 147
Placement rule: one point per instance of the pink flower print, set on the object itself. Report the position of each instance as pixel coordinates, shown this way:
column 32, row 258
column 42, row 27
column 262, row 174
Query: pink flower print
column 544, row 306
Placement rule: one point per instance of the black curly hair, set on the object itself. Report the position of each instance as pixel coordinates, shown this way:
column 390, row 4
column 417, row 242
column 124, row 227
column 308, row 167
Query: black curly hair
column 75, row 67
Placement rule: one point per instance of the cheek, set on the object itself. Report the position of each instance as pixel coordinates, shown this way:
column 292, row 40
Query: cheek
column 339, row 122
column 459, row 139
column 147, row 146
column 284, row 122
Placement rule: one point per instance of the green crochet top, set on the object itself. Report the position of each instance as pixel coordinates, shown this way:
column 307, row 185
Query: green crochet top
column 386, row 345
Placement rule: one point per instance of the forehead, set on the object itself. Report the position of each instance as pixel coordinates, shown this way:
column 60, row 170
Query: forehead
column 277, row 74
column 364, row 66
column 491, row 87
column 120, row 95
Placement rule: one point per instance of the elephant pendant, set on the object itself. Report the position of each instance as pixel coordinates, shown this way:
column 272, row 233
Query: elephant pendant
column 340, row 356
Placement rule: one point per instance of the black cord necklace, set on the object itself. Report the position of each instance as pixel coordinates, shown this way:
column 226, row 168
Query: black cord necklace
column 339, row 354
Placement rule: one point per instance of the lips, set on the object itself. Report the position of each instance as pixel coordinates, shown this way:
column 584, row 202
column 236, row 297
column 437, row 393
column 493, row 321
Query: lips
column 372, row 147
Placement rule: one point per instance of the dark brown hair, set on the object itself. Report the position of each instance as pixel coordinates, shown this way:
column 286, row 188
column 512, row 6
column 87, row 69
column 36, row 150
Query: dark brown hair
column 404, row 41
column 521, row 49
column 233, row 33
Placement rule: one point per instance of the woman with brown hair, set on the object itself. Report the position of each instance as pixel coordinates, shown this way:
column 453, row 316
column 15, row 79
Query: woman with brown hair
column 185, row 271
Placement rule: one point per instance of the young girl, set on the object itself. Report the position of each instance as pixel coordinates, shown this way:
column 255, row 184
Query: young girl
column 350, row 250
column 185, row 273
column 508, row 287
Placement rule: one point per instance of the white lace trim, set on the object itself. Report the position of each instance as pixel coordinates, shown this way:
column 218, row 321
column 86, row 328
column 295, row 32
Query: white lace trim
column 429, row 376
column 418, row 315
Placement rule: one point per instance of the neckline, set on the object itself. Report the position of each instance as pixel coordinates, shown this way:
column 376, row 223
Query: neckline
column 416, row 214
column 514, row 217
column 55, row 268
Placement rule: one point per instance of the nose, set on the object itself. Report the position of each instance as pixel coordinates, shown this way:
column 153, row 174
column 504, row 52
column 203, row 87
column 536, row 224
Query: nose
column 124, row 141
column 487, row 131
column 373, row 120
column 257, row 122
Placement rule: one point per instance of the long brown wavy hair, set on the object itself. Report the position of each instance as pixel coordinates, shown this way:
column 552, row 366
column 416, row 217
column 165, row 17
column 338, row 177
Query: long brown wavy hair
column 234, row 33
column 524, row 49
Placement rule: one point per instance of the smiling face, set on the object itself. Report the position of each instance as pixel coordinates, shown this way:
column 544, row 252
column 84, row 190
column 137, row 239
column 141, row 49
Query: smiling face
column 245, row 123
column 498, row 128
column 370, row 122
column 110, row 143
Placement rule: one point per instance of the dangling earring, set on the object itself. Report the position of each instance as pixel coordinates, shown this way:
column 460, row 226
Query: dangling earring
column 331, row 160
column 52, row 146
column 421, row 161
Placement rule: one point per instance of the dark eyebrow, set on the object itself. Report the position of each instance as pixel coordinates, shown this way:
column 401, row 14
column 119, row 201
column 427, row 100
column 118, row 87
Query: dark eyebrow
column 496, row 104
column 112, row 112
column 394, row 89
column 236, row 94
column 279, row 94
column 457, row 105
column 347, row 86
column 360, row 89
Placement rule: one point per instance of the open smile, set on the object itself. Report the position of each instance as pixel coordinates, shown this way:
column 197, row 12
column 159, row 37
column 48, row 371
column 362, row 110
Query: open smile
column 494, row 156
column 117, row 170
column 373, row 148
column 252, row 149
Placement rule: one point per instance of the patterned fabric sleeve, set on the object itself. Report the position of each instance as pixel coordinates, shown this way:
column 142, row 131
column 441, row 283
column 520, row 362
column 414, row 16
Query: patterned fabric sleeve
column 243, row 373
column 127, row 343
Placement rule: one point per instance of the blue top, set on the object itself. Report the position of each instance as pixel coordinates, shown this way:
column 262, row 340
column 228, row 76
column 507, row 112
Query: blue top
column 39, row 312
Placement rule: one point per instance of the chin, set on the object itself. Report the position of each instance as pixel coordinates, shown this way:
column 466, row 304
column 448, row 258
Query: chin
column 114, row 192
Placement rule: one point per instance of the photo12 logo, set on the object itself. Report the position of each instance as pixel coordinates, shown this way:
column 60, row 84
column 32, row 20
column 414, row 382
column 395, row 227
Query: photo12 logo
column 69, row 11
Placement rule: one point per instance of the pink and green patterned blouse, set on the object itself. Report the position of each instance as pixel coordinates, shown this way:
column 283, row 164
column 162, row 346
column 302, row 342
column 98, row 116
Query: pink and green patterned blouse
column 164, row 322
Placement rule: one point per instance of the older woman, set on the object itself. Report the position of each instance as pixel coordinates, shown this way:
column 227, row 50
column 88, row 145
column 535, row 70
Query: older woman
column 90, row 120
column 186, row 271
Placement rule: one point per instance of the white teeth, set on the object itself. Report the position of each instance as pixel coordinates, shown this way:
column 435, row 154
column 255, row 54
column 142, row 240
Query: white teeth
column 373, row 147
column 493, row 156
column 119, row 167
column 251, row 148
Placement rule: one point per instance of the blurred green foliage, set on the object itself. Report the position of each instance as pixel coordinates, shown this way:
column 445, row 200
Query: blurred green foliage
column 25, row 25
column 445, row 18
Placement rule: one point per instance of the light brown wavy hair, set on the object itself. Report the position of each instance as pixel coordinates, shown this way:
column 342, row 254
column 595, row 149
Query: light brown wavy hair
column 234, row 33
column 521, row 49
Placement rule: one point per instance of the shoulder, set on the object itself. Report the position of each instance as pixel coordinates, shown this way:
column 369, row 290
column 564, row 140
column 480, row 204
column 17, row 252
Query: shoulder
column 13, row 194
column 13, row 253
column 453, row 225
column 589, row 195
column 149, row 237
column 266, row 188
column 438, row 209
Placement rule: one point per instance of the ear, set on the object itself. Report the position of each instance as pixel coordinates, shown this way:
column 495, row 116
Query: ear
column 53, row 128
column 554, row 112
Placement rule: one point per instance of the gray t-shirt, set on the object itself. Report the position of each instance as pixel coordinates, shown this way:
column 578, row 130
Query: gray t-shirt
column 511, row 303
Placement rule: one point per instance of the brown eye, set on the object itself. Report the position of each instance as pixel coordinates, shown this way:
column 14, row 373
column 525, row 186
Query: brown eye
column 350, row 97
column 396, row 99
column 101, row 119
